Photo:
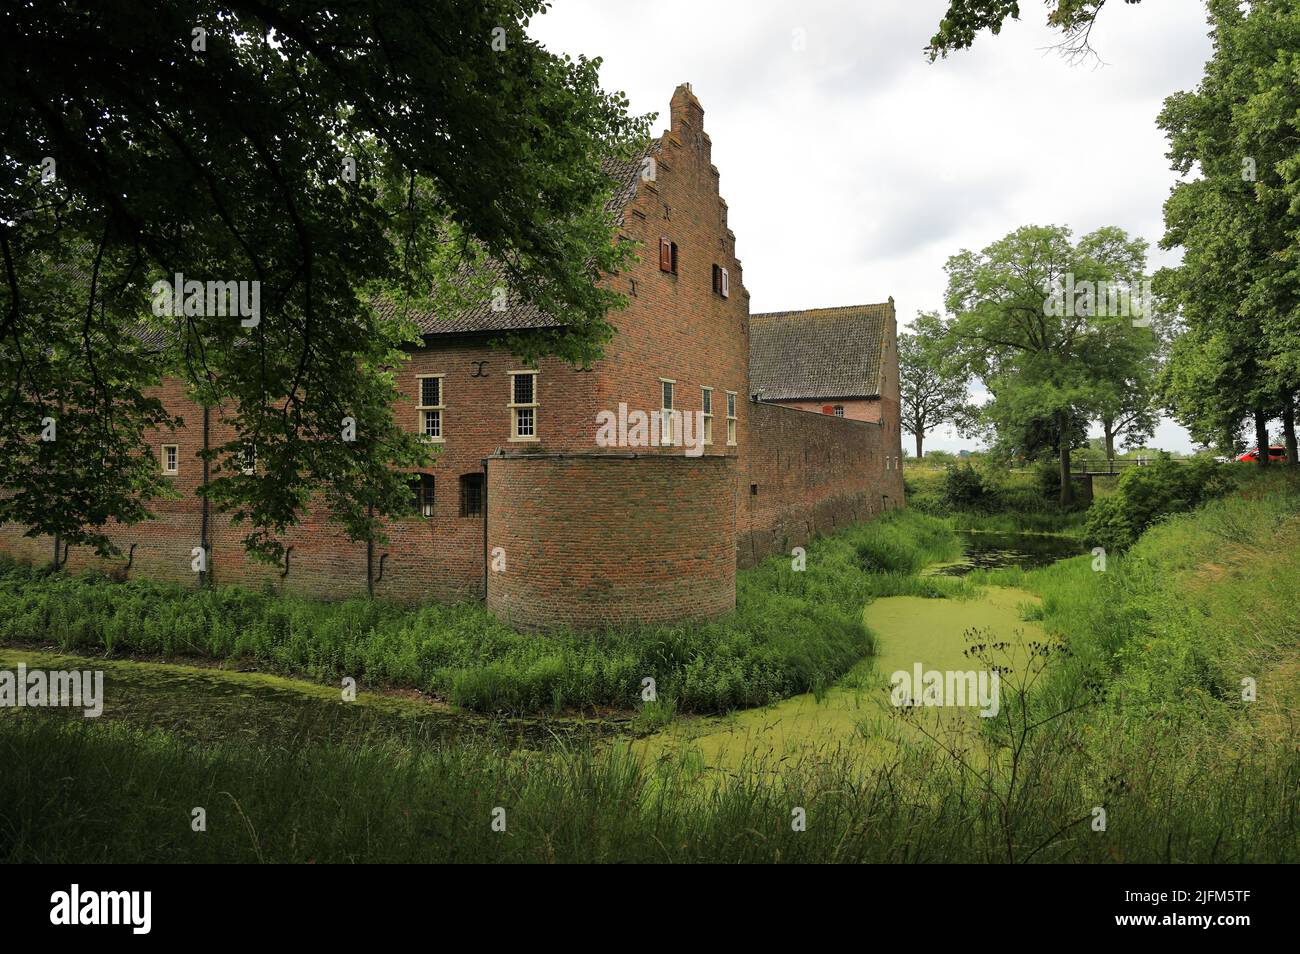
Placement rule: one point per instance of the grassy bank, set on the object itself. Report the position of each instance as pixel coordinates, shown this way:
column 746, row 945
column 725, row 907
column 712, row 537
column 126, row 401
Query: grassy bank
column 1187, row 643
column 791, row 632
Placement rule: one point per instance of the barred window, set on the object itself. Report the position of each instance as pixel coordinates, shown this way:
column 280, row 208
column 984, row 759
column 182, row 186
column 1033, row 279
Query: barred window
column 471, row 495
column 422, row 494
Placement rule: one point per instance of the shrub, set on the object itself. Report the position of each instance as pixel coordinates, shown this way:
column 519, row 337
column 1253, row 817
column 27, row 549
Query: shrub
column 964, row 488
column 1146, row 494
column 1047, row 478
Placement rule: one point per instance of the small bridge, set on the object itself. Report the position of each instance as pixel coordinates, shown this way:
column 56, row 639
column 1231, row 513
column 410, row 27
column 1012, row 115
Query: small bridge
column 1100, row 468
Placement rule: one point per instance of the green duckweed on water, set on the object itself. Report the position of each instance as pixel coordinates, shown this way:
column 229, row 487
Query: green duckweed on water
column 855, row 715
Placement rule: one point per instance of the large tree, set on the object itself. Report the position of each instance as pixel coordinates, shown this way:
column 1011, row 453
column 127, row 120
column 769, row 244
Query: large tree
column 335, row 154
column 1027, row 309
column 1126, row 365
column 1237, row 289
column 932, row 383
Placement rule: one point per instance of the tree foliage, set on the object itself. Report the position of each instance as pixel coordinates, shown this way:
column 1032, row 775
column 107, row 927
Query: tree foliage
column 1237, row 289
column 1035, row 315
column 964, row 20
column 337, row 154
column 932, row 383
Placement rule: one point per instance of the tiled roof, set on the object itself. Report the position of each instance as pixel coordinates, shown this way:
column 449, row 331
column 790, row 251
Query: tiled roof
column 818, row 353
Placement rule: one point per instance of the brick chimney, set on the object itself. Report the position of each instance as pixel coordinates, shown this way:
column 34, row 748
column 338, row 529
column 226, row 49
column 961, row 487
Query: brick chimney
column 685, row 108
column 687, row 117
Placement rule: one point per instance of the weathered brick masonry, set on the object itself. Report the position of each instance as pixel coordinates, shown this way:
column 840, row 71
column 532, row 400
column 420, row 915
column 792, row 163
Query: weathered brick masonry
column 810, row 474
column 591, row 534
column 648, row 538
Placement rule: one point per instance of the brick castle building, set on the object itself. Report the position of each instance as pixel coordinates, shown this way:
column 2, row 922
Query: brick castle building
column 543, row 497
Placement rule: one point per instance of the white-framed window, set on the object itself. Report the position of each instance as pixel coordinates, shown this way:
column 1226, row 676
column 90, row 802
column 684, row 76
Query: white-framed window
column 431, row 405
column 249, row 463
column 668, row 389
column 839, row 410
column 706, row 403
column 523, row 406
column 731, row 418
column 171, row 459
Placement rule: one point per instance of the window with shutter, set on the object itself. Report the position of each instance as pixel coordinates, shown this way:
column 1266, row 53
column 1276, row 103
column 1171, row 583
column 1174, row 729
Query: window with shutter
column 665, row 255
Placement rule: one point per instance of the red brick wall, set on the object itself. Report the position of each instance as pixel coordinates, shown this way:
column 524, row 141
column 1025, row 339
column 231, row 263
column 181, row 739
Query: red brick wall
column 602, row 539
column 808, row 474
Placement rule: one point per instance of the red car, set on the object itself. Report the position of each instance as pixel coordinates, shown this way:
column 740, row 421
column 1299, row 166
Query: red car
column 1251, row 456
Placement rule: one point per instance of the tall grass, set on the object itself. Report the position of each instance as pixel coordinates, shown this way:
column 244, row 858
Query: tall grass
column 113, row 793
column 790, row 632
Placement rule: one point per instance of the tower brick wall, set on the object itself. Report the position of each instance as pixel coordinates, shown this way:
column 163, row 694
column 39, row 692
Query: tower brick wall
column 602, row 539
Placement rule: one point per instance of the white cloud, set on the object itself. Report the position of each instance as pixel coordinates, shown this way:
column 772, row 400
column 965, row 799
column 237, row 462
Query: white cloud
column 853, row 168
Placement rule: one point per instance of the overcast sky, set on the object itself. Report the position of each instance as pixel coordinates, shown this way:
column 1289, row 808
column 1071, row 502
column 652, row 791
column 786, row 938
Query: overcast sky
column 853, row 168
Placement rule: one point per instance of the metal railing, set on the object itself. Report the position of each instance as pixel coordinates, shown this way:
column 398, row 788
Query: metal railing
column 1116, row 465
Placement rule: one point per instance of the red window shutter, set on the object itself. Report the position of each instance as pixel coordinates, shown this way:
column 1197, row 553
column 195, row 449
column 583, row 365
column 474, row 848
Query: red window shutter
column 665, row 255
column 828, row 409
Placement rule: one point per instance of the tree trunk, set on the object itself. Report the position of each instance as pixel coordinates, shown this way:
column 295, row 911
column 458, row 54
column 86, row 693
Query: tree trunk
column 1261, row 438
column 920, row 434
column 204, row 519
column 1067, row 489
column 1288, row 429
column 1110, row 445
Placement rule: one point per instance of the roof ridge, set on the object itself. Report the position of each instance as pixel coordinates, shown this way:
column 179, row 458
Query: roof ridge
column 808, row 311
